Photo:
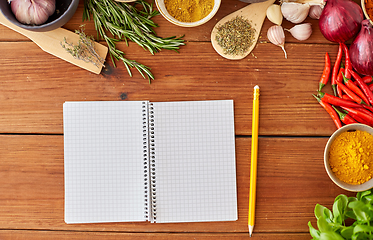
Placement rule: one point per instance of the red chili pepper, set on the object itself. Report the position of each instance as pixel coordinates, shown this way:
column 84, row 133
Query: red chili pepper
column 345, row 118
column 336, row 69
column 370, row 108
column 367, row 79
column 333, row 114
column 340, row 79
column 371, row 87
column 350, row 93
column 362, row 109
column 337, row 101
column 351, row 85
column 345, row 96
column 362, row 115
column 364, row 87
column 348, row 64
column 358, row 119
column 326, row 73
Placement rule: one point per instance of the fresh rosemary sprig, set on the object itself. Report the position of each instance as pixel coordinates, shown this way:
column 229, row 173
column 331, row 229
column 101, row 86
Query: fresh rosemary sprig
column 128, row 22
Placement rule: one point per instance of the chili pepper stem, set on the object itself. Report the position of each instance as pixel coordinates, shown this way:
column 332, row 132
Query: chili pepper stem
column 317, row 98
column 321, row 85
column 333, row 114
column 334, row 87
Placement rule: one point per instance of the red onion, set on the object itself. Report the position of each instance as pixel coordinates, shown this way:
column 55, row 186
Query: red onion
column 33, row 12
column 340, row 20
column 361, row 50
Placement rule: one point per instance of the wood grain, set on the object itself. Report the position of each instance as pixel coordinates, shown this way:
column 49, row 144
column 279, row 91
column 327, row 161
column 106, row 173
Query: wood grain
column 32, row 183
column 32, row 99
column 293, row 128
column 46, row 235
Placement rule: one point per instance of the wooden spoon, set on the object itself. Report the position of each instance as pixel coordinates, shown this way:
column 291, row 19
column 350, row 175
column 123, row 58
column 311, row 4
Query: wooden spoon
column 50, row 42
column 255, row 13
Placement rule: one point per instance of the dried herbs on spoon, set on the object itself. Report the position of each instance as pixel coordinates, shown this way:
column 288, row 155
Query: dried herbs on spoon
column 236, row 36
column 124, row 21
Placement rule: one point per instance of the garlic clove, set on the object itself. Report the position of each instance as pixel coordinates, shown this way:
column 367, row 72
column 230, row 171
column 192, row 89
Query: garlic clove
column 33, row 12
column 315, row 11
column 276, row 35
column 295, row 12
column 310, row 2
column 274, row 14
column 301, row 31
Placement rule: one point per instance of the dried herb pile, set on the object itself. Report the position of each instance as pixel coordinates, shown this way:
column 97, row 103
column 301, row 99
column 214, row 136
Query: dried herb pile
column 118, row 21
column 236, row 36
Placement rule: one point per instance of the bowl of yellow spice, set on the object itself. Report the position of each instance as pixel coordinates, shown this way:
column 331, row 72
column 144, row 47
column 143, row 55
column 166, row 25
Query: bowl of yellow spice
column 348, row 157
column 188, row 13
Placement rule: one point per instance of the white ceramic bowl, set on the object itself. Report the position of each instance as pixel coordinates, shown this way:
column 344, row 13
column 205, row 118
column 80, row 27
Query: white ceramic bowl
column 365, row 11
column 162, row 9
column 353, row 188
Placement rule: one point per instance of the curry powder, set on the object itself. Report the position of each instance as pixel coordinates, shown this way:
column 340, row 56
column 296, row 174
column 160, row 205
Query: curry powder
column 189, row 10
column 369, row 8
column 351, row 157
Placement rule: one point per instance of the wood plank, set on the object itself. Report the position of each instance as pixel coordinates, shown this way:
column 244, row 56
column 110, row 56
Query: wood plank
column 291, row 181
column 62, row 235
column 31, row 99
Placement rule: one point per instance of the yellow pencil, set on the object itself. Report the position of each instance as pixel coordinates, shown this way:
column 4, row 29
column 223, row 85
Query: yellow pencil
column 254, row 155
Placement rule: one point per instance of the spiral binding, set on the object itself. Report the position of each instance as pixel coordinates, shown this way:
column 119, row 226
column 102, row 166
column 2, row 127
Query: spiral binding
column 145, row 158
column 152, row 165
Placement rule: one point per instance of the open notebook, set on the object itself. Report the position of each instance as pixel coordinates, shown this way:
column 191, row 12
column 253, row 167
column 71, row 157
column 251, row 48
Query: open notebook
column 142, row 161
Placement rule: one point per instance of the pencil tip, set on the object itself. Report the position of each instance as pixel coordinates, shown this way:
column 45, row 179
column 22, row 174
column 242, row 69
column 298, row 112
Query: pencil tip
column 251, row 230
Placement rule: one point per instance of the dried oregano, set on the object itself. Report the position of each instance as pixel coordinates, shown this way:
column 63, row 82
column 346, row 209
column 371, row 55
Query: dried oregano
column 235, row 36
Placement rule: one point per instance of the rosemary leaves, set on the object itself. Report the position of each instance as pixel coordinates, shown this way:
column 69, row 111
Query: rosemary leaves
column 124, row 21
column 236, row 36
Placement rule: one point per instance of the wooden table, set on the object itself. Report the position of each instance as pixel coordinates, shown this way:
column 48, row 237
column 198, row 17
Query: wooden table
column 293, row 129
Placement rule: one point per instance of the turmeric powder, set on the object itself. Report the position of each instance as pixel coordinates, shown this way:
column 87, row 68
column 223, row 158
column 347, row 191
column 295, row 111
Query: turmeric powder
column 189, row 10
column 369, row 8
column 351, row 157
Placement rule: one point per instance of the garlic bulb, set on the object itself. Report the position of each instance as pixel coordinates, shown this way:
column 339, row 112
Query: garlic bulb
column 33, row 12
column 301, row 31
column 276, row 36
column 315, row 11
column 295, row 12
column 274, row 14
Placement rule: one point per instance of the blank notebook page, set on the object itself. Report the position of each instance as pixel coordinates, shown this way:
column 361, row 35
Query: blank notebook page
column 104, row 167
column 195, row 161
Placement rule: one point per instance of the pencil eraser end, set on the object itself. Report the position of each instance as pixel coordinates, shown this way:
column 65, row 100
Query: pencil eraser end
column 256, row 87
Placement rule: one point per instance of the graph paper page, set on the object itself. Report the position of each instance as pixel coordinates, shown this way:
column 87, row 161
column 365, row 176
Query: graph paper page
column 195, row 161
column 104, row 167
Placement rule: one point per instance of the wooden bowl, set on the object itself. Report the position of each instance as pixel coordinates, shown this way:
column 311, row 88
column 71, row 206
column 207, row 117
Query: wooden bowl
column 162, row 9
column 349, row 187
column 365, row 11
column 65, row 9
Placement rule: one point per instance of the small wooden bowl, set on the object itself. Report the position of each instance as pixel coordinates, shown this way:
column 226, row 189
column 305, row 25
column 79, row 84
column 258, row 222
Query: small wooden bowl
column 365, row 11
column 349, row 187
column 162, row 9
